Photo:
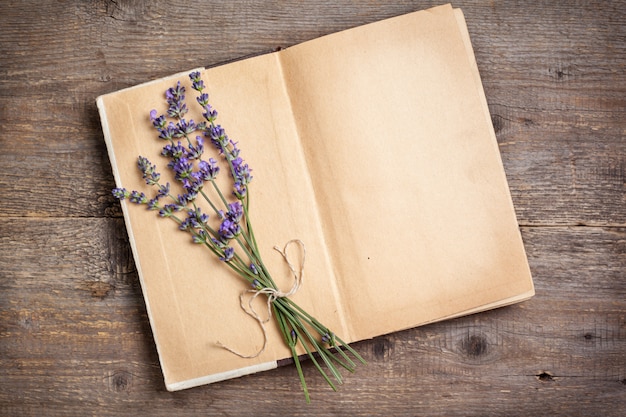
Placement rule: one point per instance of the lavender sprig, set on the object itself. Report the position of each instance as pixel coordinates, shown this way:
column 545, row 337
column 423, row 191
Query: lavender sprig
column 228, row 232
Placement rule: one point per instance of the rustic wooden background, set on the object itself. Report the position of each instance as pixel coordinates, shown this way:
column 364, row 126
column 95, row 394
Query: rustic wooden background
column 74, row 336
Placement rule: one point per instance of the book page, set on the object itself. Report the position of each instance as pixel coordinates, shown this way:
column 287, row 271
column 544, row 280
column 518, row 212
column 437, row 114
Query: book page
column 407, row 175
column 192, row 298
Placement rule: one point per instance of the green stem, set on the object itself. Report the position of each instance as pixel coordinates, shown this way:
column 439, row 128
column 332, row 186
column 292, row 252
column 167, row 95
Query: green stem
column 245, row 248
column 350, row 349
column 323, row 353
column 312, row 357
column 219, row 192
column 208, row 200
column 292, row 346
column 249, row 225
column 349, row 365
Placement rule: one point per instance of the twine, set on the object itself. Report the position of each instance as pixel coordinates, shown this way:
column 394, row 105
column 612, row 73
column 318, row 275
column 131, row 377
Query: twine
column 272, row 295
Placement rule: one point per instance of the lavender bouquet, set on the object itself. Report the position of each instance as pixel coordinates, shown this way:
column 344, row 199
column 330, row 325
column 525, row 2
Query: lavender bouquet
column 221, row 223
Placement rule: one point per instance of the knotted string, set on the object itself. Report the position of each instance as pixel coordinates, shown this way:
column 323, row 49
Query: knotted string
column 272, row 295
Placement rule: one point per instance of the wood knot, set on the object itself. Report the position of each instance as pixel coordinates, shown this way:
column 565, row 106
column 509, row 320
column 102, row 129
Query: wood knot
column 589, row 336
column 545, row 376
column 99, row 289
column 120, row 381
column 561, row 73
column 382, row 348
column 498, row 122
column 475, row 345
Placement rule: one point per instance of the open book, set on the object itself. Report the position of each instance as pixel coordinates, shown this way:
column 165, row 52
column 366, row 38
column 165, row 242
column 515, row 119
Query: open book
column 374, row 146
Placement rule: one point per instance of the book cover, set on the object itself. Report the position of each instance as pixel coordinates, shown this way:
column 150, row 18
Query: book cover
column 374, row 147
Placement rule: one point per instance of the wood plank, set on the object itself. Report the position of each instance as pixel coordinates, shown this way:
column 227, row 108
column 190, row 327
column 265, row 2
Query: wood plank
column 74, row 335
column 73, row 323
column 558, row 107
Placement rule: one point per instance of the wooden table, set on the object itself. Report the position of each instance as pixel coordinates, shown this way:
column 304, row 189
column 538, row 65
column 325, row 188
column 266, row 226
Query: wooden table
column 74, row 336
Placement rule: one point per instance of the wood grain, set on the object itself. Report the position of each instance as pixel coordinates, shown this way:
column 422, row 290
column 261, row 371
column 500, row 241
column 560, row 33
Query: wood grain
column 74, row 335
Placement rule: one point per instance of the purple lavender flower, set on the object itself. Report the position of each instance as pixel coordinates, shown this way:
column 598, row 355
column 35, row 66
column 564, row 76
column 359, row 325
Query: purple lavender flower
column 190, row 222
column 200, row 236
column 157, row 121
column 121, row 193
column 174, row 151
column 168, row 210
column 240, row 190
column 242, row 171
column 235, row 212
column 234, row 151
column 203, row 99
column 192, row 193
column 167, row 132
column 229, row 229
column 184, row 127
column 183, row 199
column 177, row 109
column 182, row 169
column 229, row 253
column 218, row 137
column 148, row 171
column 138, row 198
column 196, row 81
column 176, row 99
column 164, row 190
column 198, row 216
column 176, row 93
column 194, row 184
column 195, row 152
column 207, row 171
column 153, row 204
column 210, row 114
column 218, row 243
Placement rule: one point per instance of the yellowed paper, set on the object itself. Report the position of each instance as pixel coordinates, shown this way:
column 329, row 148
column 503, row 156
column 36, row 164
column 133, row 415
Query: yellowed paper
column 374, row 146
column 412, row 165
